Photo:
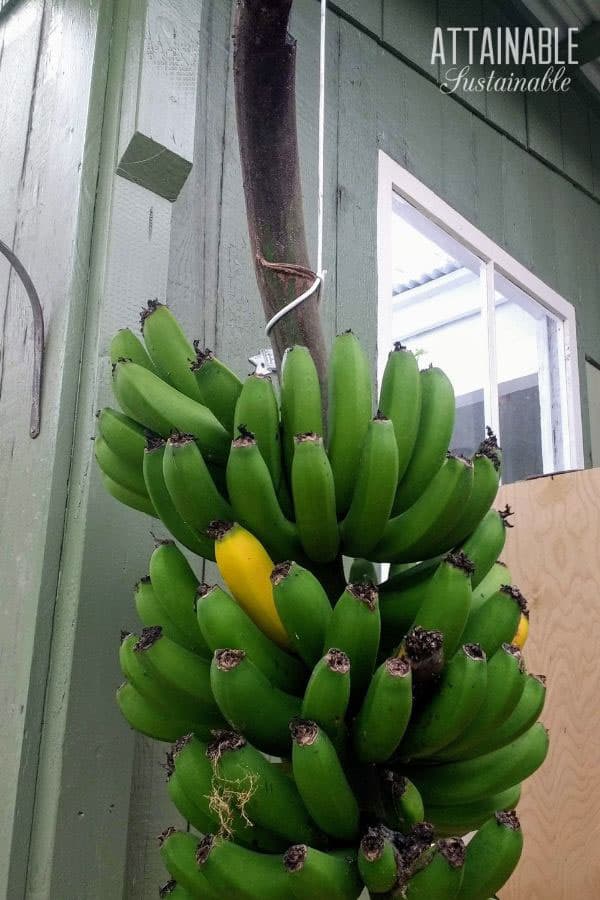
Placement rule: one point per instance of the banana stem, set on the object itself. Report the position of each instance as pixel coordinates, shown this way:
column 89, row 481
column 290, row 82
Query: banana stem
column 264, row 78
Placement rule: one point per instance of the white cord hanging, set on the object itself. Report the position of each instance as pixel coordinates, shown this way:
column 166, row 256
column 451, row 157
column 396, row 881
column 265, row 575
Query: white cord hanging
column 320, row 274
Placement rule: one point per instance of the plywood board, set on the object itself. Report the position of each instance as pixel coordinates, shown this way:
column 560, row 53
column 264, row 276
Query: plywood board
column 553, row 555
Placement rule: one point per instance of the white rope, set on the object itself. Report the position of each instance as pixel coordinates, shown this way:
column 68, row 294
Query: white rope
column 321, row 140
column 320, row 276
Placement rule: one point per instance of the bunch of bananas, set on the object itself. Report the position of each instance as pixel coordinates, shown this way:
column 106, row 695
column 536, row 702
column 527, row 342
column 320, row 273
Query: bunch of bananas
column 328, row 734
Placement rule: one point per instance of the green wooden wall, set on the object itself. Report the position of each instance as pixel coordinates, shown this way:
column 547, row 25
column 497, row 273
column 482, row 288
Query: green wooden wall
column 82, row 798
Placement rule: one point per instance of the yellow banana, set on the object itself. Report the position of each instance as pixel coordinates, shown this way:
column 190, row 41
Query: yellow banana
column 522, row 632
column 246, row 569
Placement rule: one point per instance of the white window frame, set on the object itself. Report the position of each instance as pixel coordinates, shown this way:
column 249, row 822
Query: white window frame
column 395, row 178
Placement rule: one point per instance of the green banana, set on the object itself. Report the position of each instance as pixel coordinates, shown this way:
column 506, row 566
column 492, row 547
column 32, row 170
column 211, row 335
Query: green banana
column 486, row 543
column 126, row 345
column 313, row 492
column 152, row 613
column 385, row 712
column 124, row 436
column 301, row 407
column 486, row 478
column 496, row 621
column 218, row 802
column 315, row 875
column 223, row 622
column 123, row 472
column 178, row 850
column 400, row 401
column 473, row 779
column 461, row 693
column 447, row 601
column 412, row 534
column 250, row 703
column 169, row 349
column 378, row 861
column 273, row 801
column 180, row 672
column 355, row 628
column 141, row 502
column 161, row 500
column 327, row 695
column 257, row 412
column 363, row 570
column 185, row 805
column 161, row 408
column 219, row 387
column 402, row 802
column 461, row 818
column 527, row 711
column 254, row 500
column 174, row 891
column 349, row 412
column 191, row 486
column 148, row 718
column 241, row 874
column 442, row 876
column 166, row 694
column 497, row 576
column 436, row 424
column 321, row 781
column 492, row 856
column 175, row 586
column 505, row 683
column 401, row 597
column 375, row 487
column 304, row 609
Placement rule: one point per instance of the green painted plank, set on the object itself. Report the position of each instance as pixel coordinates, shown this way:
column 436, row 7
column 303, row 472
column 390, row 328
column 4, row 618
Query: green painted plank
column 489, row 187
column 576, row 139
column 458, row 158
column 516, row 215
column 424, row 154
column 408, row 27
column 368, row 13
column 195, row 224
column 544, row 125
column 505, row 108
column 393, row 107
column 357, row 189
column 547, row 229
column 462, row 14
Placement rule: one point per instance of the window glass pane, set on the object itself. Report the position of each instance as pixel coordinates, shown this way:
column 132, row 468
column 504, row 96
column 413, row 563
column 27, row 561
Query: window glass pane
column 530, row 365
column 436, row 313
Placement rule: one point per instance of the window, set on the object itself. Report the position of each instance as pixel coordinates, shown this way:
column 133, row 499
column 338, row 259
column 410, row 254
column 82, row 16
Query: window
column 505, row 339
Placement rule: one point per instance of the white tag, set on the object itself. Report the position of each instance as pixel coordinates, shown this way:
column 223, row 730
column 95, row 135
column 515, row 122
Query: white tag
column 264, row 362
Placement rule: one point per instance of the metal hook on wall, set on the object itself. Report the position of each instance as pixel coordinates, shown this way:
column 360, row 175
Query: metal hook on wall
column 38, row 336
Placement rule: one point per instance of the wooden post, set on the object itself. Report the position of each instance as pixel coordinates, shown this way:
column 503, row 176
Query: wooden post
column 264, row 77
